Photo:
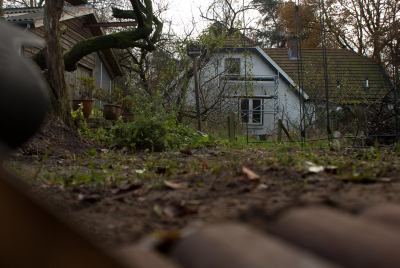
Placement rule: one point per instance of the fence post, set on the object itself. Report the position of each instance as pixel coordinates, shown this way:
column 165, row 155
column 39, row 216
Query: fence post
column 231, row 127
column 279, row 130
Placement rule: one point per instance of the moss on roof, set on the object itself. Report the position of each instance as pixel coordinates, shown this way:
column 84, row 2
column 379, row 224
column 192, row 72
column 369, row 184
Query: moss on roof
column 351, row 68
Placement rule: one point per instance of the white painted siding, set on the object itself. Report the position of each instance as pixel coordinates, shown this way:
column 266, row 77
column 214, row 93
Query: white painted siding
column 288, row 103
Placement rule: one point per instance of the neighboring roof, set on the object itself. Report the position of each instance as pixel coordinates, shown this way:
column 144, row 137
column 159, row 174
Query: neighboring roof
column 35, row 17
column 352, row 69
column 231, row 37
column 237, row 39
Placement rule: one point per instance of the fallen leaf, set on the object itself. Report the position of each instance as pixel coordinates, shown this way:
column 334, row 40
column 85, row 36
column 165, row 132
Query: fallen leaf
column 250, row 175
column 141, row 199
column 158, row 210
column 126, row 188
column 262, row 187
column 313, row 167
column 186, row 151
column 176, row 210
column 204, row 165
column 190, row 202
column 174, row 185
column 316, row 169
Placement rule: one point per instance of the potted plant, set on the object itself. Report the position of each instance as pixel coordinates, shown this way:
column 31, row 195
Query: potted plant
column 127, row 104
column 82, row 95
column 112, row 109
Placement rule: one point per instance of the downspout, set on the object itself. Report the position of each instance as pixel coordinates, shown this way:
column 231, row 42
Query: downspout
column 101, row 74
column 21, row 47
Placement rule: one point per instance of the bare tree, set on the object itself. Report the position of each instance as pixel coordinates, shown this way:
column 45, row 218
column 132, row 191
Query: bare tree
column 364, row 25
column 227, row 13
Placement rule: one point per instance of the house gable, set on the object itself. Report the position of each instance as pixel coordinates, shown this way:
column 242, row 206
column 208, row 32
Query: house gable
column 270, row 63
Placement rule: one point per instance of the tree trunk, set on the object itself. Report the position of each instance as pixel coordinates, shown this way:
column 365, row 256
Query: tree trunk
column 1, row 11
column 61, row 103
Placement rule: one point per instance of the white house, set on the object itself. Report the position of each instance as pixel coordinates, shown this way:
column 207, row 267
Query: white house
column 254, row 86
column 261, row 84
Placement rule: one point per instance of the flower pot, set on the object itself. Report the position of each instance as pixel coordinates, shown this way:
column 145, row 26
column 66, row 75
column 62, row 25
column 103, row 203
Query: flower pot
column 87, row 106
column 111, row 112
column 127, row 117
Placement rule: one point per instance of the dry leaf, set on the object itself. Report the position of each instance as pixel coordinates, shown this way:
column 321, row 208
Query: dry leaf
column 316, row 169
column 313, row 167
column 125, row 188
column 176, row 210
column 250, row 175
column 204, row 165
column 186, row 151
column 174, row 185
column 262, row 187
column 157, row 209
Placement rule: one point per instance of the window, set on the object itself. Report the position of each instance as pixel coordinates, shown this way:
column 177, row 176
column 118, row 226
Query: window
column 252, row 111
column 232, row 65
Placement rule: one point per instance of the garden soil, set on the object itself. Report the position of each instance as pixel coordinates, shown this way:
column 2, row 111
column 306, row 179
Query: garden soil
column 204, row 186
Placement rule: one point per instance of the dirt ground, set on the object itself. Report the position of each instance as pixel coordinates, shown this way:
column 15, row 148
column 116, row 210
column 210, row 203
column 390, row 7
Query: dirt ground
column 208, row 186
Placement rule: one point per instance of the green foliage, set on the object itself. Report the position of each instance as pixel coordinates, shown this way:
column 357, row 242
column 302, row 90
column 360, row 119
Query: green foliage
column 155, row 133
column 127, row 103
column 79, row 120
column 96, row 112
column 114, row 97
column 154, row 128
column 83, row 88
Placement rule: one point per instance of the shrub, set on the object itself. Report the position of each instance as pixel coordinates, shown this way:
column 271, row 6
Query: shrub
column 154, row 128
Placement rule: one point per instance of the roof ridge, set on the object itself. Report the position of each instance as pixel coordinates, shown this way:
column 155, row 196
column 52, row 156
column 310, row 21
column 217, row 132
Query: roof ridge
column 22, row 9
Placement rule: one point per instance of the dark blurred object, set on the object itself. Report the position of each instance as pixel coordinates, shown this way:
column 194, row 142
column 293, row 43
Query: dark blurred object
column 28, row 228
column 23, row 101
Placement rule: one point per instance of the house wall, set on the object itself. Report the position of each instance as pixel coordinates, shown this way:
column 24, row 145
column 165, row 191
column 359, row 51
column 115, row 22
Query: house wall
column 102, row 79
column 73, row 35
column 102, row 76
column 88, row 65
column 287, row 101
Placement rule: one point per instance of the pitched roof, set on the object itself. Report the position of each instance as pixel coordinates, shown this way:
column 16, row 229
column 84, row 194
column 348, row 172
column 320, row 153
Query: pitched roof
column 351, row 68
column 237, row 39
column 35, row 18
column 35, row 15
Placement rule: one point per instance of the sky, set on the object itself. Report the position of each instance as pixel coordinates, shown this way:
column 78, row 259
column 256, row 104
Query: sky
column 181, row 13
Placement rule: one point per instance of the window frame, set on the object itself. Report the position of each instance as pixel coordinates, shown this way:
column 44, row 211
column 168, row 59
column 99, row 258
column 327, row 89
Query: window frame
column 249, row 109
